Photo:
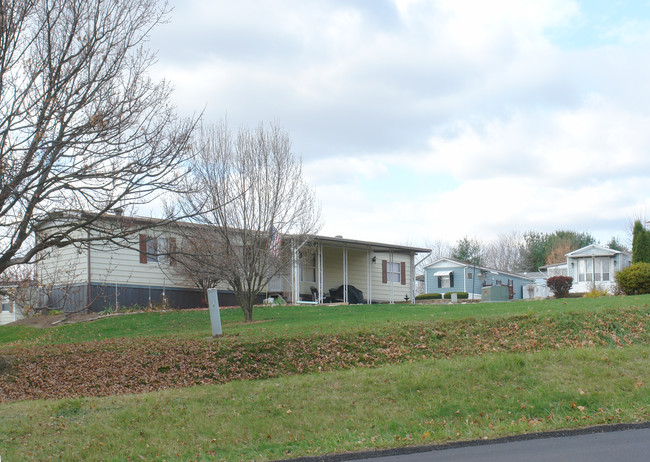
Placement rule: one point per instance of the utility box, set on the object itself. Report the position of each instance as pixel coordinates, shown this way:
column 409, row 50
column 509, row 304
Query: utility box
column 495, row 294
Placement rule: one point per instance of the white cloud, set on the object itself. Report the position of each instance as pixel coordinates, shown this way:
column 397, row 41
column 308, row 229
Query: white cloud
column 337, row 170
column 597, row 142
column 535, row 135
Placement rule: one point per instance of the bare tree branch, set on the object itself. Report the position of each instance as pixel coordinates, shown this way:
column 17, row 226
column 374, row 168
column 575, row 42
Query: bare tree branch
column 247, row 189
column 82, row 126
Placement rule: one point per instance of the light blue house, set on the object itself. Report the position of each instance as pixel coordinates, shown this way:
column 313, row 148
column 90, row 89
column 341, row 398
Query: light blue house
column 449, row 275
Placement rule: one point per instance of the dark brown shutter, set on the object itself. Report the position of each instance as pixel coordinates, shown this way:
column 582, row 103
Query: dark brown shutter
column 403, row 271
column 439, row 282
column 172, row 250
column 143, row 248
column 451, row 280
column 384, row 271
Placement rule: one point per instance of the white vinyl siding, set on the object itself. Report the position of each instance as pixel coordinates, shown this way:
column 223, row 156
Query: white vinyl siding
column 64, row 266
column 112, row 264
column 358, row 273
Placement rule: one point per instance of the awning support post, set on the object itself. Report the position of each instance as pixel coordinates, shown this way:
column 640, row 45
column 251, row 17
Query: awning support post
column 345, row 275
column 391, row 282
column 369, row 276
column 319, row 264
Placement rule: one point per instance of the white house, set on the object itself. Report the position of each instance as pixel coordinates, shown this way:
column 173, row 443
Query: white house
column 593, row 266
column 9, row 311
column 596, row 266
column 14, row 302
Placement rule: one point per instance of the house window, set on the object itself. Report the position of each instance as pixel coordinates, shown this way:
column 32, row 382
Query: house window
column 308, row 268
column 5, row 306
column 156, row 249
column 585, row 270
column 604, row 267
column 594, row 270
column 446, row 281
column 393, row 272
column 601, row 269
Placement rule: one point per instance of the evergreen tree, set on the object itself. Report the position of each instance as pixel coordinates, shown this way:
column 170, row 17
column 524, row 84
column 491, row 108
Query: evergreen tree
column 468, row 250
column 543, row 248
column 640, row 243
column 615, row 244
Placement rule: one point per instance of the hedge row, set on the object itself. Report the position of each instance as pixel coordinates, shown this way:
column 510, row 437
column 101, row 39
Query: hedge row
column 460, row 295
column 428, row 297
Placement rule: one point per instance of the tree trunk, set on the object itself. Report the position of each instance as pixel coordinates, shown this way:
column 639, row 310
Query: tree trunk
column 246, row 302
column 248, row 313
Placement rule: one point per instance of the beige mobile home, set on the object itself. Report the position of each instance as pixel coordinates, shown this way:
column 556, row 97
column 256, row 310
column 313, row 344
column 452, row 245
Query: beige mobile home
column 135, row 271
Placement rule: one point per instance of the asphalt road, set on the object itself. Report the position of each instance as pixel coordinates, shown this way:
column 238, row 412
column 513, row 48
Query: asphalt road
column 618, row 443
column 620, row 446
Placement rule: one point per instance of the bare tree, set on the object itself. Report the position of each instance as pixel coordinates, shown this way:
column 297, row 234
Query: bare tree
column 506, row 252
column 249, row 189
column 439, row 249
column 199, row 260
column 83, row 129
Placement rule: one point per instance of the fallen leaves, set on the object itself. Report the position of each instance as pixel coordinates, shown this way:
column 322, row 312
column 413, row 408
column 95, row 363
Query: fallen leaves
column 136, row 365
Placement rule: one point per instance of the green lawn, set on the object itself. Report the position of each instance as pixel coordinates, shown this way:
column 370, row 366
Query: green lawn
column 422, row 402
column 449, row 373
column 301, row 321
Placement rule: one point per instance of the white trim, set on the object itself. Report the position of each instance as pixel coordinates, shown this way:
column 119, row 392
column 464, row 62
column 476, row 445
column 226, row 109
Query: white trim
column 391, row 283
column 369, row 276
column 319, row 263
column 345, row 275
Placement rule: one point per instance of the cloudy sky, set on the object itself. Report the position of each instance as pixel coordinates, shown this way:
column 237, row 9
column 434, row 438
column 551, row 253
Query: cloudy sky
column 424, row 120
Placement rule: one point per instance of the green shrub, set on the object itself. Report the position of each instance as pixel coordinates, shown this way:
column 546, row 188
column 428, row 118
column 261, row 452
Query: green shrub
column 635, row 279
column 428, row 297
column 560, row 285
column 460, row 295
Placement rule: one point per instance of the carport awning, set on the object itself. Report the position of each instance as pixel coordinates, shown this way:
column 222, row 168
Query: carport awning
column 442, row 273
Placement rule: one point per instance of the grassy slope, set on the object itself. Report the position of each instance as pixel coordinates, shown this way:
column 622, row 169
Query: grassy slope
column 295, row 321
column 418, row 402
column 415, row 403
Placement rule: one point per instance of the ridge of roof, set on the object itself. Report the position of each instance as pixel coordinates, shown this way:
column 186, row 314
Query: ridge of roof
column 487, row 268
column 316, row 237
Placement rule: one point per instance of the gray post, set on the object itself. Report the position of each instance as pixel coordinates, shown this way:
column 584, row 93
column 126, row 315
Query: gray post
column 215, row 317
